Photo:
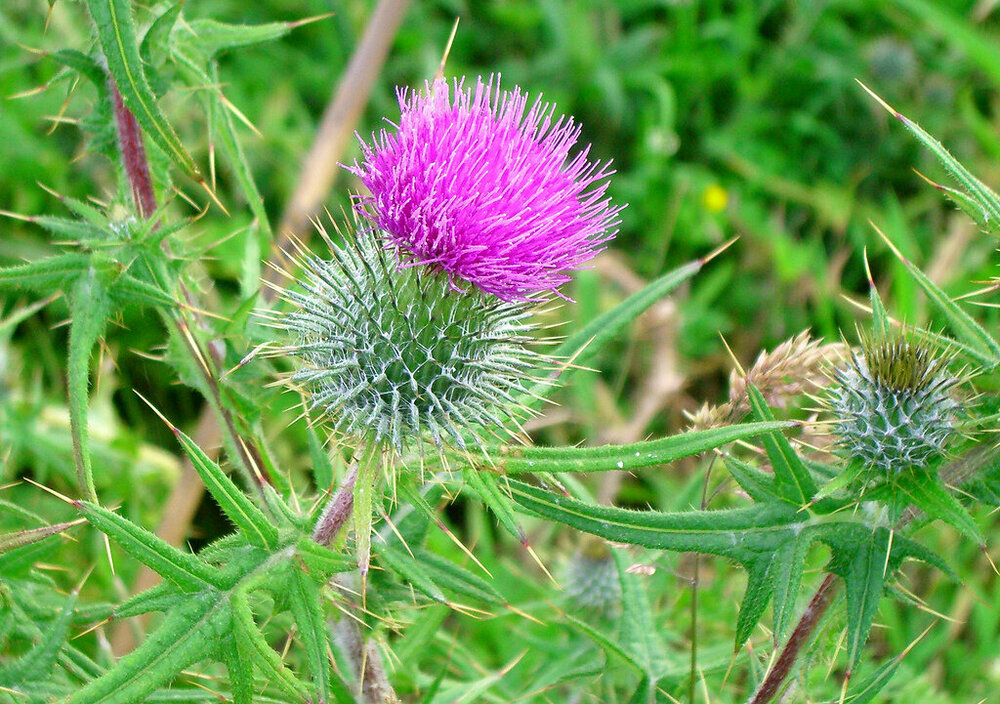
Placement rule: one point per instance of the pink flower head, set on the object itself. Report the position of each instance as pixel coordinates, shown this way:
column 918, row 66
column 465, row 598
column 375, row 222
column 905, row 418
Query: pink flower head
column 474, row 182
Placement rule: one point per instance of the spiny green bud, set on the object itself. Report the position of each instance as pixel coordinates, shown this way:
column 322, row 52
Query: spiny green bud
column 591, row 578
column 394, row 353
column 894, row 405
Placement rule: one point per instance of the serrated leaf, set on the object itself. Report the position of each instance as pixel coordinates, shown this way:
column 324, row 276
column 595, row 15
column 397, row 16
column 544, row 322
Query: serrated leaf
column 758, row 485
column 159, row 32
column 117, row 36
column 927, row 492
column 45, row 276
column 627, row 457
column 404, row 565
column 238, row 508
column 304, row 599
column 964, row 326
column 639, row 634
column 185, row 570
column 590, row 339
column 760, row 587
column 865, row 575
column 742, row 534
column 456, row 578
column 188, row 634
column 264, row 656
column 90, row 307
column 10, row 541
column 163, row 597
column 320, row 560
column 487, row 486
column 987, row 199
column 791, row 475
column 210, row 37
column 85, row 65
column 786, row 573
column 238, row 656
column 36, row 664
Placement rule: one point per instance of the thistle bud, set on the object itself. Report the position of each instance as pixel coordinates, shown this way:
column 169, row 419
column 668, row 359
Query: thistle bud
column 591, row 578
column 393, row 353
column 894, row 406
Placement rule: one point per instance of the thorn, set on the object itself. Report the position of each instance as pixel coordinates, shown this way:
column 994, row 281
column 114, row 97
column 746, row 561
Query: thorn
column 61, row 497
column 717, row 251
column 294, row 24
column 732, row 356
column 211, row 194
column 155, row 410
column 439, row 74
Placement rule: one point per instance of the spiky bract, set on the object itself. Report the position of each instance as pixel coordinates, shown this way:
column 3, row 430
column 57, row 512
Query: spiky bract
column 591, row 579
column 894, row 406
column 395, row 353
column 479, row 184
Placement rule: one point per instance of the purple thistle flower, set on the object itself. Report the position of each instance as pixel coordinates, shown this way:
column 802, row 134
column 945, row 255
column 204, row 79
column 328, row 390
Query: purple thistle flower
column 484, row 188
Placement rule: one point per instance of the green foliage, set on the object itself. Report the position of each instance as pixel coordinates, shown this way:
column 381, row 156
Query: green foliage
column 723, row 119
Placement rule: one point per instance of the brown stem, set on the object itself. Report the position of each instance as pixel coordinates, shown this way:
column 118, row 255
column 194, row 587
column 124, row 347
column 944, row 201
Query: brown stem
column 800, row 636
column 133, row 155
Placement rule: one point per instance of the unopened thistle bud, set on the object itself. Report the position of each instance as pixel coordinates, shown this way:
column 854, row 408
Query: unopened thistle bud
column 393, row 354
column 591, row 578
column 894, row 406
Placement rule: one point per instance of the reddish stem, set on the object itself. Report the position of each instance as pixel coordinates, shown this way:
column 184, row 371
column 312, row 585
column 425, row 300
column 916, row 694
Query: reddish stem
column 133, row 155
column 800, row 636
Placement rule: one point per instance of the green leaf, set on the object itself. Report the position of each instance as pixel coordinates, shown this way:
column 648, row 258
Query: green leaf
column 984, row 197
column 188, row 634
column 865, row 575
column 964, row 326
column 116, row 34
column 639, row 633
column 487, row 486
column 211, row 37
column 264, row 656
column 456, row 578
column 760, row 587
column 304, row 598
column 36, row 664
column 89, row 311
column 185, row 570
column 786, row 574
column 85, row 65
column 10, row 541
column 584, row 344
column 163, row 597
column 742, row 534
column 159, row 32
column 792, row 477
column 45, row 276
column 929, row 494
column 760, row 486
column 239, row 656
column 234, row 503
column 410, row 569
column 628, row 457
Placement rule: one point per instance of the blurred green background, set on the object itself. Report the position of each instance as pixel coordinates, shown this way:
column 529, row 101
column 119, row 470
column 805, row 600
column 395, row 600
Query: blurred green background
column 723, row 119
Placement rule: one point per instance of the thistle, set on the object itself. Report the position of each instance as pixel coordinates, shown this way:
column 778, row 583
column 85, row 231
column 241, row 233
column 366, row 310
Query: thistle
column 894, row 406
column 591, row 577
column 475, row 183
column 392, row 354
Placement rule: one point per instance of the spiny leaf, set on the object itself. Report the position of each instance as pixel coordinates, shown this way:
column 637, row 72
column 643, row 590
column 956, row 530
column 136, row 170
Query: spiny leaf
column 791, row 474
column 760, row 486
column 234, row 503
column 307, row 609
column 638, row 631
column 10, row 541
column 487, row 486
column 628, row 457
column 211, row 37
column 760, row 587
column 163, row 597
column 410, row 569
column 36, row 664
column 264, row 656
column 927, row 492
column 865, row 579
column 159, row 32
column 786, row 573
column 116, row 33
column 45, row 276
column 456, row 578
column 188, row 634
column 183, row 569
column 89, row 308
column 961, row 322
column 742, row 534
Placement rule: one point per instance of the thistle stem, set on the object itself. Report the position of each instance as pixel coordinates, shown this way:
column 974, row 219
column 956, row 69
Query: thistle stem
column 800, row 636
column 133, row 155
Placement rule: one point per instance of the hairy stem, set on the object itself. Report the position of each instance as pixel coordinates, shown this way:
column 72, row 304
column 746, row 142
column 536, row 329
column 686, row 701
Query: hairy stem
column 133, row 155
column 337, row 511
column 800, row 636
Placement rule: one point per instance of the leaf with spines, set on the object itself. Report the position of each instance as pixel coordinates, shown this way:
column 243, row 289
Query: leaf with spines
column 35, row 666
column 117, row 36
column 792, row 477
